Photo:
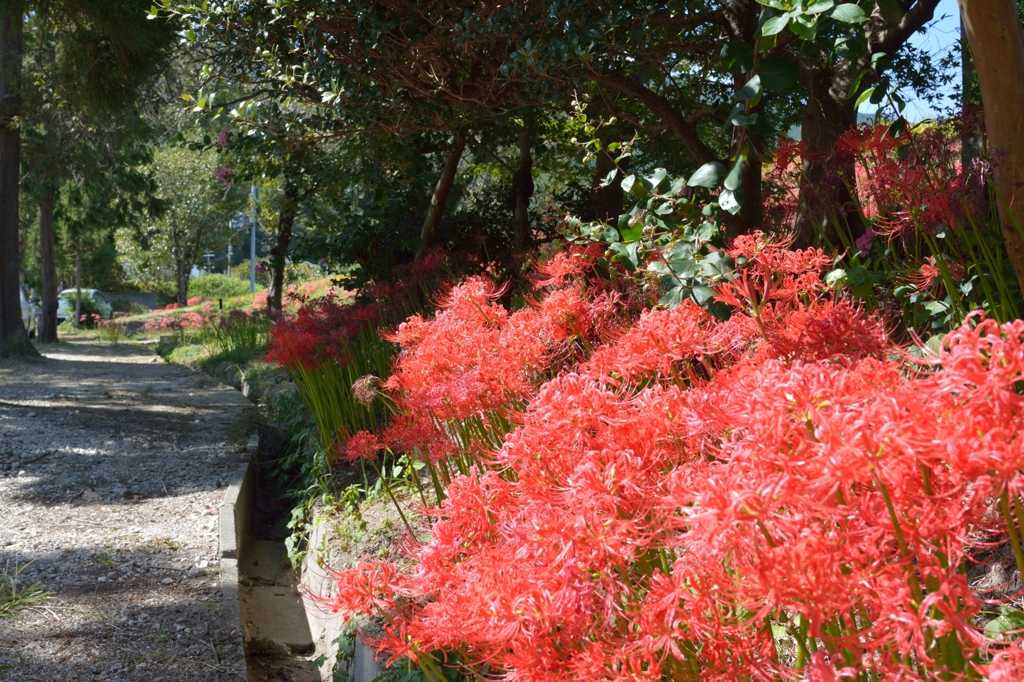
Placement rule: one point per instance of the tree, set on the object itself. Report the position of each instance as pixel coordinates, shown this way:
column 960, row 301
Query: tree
column 13, row 336
column 195, row 210
column 994, row 33
column 671, row 68
column 95, row 53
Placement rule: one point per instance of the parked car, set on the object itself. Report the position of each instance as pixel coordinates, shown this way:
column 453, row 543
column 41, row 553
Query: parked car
column 28, row 313
column 90, row 298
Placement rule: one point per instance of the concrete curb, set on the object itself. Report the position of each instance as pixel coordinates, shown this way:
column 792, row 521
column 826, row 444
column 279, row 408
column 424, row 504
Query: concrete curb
column 235, row 519
column 325, row 627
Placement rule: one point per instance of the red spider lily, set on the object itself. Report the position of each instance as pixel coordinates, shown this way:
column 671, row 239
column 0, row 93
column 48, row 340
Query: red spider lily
column 362, row 445
column 676, row 494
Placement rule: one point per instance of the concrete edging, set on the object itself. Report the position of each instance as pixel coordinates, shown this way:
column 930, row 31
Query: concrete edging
column 235, row 517
column 325, row 627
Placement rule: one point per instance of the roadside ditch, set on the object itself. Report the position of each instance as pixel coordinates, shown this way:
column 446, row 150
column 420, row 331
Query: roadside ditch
column 289, row 632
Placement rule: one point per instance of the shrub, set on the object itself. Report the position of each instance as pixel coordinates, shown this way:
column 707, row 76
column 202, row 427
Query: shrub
column 238, row 331
column 127, row 307
column 178, row 325
column 214, row 286
column 112, row 331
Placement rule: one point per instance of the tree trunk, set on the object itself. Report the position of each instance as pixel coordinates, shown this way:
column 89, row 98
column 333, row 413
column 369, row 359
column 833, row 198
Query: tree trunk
column 997, row 46
column 441, row 191
column 48, row 319
column 182, row 282
column 826, row 204
column 279, row 254
column 522, row 190
column 13, row 335
column 78, row 286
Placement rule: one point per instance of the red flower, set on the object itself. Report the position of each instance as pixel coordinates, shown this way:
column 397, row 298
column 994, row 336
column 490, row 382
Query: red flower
column 362, row 445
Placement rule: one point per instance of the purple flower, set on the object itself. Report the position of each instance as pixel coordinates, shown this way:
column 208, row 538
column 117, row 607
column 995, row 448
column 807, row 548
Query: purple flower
column 863, row 243
column 222, row 138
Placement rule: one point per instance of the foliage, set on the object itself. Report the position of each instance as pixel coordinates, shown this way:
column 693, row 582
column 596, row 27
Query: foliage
column 112, row 331
column 238, row 331
column 15, row 596
column 196, row 208
column 214, row 286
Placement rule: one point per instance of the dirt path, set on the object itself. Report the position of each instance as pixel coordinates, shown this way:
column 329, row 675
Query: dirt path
column 112, row 466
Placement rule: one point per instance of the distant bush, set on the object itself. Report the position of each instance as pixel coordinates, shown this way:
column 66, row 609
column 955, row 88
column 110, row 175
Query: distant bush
column 214, row 286
column 122, row 305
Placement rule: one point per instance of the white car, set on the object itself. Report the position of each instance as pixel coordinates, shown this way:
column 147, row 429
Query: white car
column 28, row 313
column 66, row 304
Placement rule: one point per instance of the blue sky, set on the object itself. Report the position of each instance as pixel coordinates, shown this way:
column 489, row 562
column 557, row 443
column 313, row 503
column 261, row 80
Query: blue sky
column 940, row 35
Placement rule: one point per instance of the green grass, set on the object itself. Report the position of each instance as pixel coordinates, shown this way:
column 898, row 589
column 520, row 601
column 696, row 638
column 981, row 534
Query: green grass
column 15, row 597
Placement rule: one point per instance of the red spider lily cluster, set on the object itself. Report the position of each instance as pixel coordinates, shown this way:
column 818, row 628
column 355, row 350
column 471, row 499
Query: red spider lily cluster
column 904, row 184
column 782, row 495
column 922, row 188
column 175, row 323
column 321, row 331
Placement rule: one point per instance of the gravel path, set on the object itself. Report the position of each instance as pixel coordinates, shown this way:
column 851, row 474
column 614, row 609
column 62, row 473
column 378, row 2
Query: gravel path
column 112, row 467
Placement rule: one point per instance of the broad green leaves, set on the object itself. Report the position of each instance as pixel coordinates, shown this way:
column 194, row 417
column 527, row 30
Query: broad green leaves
column 669, row 238
column 708, row 175
column 777, row 74
column 803, row 18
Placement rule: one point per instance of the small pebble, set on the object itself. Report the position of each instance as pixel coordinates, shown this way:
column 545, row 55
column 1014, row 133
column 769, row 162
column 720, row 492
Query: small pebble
column 167, row 581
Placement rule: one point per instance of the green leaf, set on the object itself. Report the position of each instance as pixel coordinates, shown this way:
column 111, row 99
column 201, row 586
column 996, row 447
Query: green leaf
column 717, row 264
column 819, row 6
column 852, row 48
column 778, row 74
column 890, row 10
column 904, row 290
column 836, row 278
column 706, row 231
column 665, row 208
column 763, row 126
column 702, row 294
column 731, row 201
column 804, row 26
column 655, row 180
column 864, row 96
column 708, row 175
column 680, row 251
column 623, row 222
column 879, row 93
column 627, row 183
column 735, row 176
column 610, row 234
column 626, row 254
column 897, row 127
column 858, row 275
column 674, row 296
column 631, row 233
column 849, row 13
column 1009, row 621
column 676, row 187
column 737, row 56
column 775, row 25
column 750, row 90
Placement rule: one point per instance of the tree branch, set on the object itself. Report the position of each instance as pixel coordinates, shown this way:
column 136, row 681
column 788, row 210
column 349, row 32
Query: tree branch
column 663, row 109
